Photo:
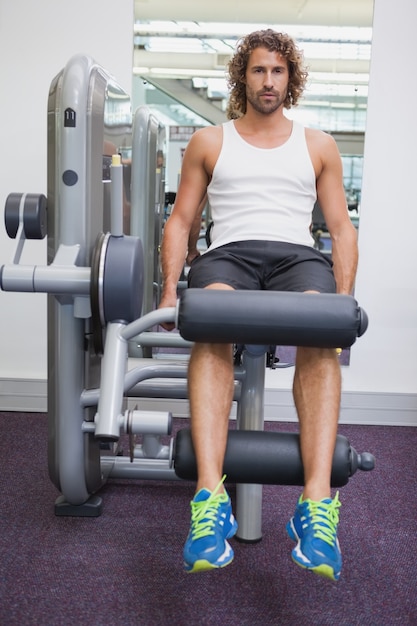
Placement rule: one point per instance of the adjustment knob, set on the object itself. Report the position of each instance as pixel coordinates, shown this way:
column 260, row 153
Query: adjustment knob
column 366, row 461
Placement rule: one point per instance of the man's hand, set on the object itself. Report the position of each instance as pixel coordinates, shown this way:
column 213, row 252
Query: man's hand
column 168, row 300
column 191, row 255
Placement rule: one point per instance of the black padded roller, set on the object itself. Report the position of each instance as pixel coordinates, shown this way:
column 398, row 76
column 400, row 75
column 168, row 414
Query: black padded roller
column 34, row 216
column 12, row 214
column 270, row 318
column 268, row 458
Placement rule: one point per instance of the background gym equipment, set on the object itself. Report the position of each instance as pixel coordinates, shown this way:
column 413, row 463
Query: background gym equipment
column 99, row 283
column 148, row 198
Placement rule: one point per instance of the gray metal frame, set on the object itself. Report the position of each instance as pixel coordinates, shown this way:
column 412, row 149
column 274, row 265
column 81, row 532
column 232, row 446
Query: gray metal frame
column 75, row 217
column 87, row 391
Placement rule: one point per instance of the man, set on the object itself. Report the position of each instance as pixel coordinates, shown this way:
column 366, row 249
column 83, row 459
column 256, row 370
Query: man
column 263, row 174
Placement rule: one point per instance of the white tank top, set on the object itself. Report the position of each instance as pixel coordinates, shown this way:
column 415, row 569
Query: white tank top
column 262, row 194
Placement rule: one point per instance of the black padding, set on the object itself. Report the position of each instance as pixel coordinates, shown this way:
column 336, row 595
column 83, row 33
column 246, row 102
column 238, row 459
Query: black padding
column 123, row 279
column 12, row 214
column 34, row 216
column 266, row 458
column 270, row 317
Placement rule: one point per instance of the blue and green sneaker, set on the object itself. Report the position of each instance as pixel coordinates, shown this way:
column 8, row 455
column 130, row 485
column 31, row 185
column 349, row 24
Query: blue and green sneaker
column 314, row 528
column 212, row 523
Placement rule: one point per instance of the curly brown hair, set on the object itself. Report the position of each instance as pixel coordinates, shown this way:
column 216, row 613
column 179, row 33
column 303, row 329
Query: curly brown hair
column 274, row 42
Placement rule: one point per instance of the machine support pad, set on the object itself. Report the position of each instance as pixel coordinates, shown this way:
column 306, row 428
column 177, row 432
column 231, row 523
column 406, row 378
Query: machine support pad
column 268, row 458
column 270, row 318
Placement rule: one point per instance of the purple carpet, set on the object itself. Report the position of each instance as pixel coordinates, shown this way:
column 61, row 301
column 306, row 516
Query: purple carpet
column 125, row 566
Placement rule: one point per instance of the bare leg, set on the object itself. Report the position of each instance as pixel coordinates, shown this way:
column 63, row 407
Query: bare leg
column 317, row 384
column 210, row 388
column 210, row 381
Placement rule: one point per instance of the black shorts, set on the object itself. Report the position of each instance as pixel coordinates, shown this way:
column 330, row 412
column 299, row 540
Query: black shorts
column 268, row 265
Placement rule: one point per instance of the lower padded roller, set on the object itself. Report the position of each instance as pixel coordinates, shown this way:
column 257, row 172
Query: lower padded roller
column 268, row 458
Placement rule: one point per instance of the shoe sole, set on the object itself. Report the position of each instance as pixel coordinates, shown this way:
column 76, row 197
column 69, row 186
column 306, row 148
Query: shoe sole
column 202, row 565
column 325, row 571
column 205, row 566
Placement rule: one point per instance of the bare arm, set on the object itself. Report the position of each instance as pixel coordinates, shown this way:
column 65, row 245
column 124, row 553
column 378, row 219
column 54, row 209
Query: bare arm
column 191, row 192
column 332, row 199
column 194, row 235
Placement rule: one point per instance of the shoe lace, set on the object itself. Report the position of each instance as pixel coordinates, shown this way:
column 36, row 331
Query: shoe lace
column 204, row 513
column 324, row 518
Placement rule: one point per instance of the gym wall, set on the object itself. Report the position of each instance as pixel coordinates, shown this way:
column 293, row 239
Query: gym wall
column 380, row 385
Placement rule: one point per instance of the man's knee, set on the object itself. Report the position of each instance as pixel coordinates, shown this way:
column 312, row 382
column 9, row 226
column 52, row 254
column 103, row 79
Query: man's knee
column 220, row 286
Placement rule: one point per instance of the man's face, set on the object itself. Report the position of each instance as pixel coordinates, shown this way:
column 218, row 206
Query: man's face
column 266, row 80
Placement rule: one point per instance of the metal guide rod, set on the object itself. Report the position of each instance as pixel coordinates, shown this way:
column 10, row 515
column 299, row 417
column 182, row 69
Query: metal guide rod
column 159, row 316
column 113, row 368
column 53, row 279
column 90, row 397
column 63, row 276
column 251, row 417
column 140, row 423
column 116, row 196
